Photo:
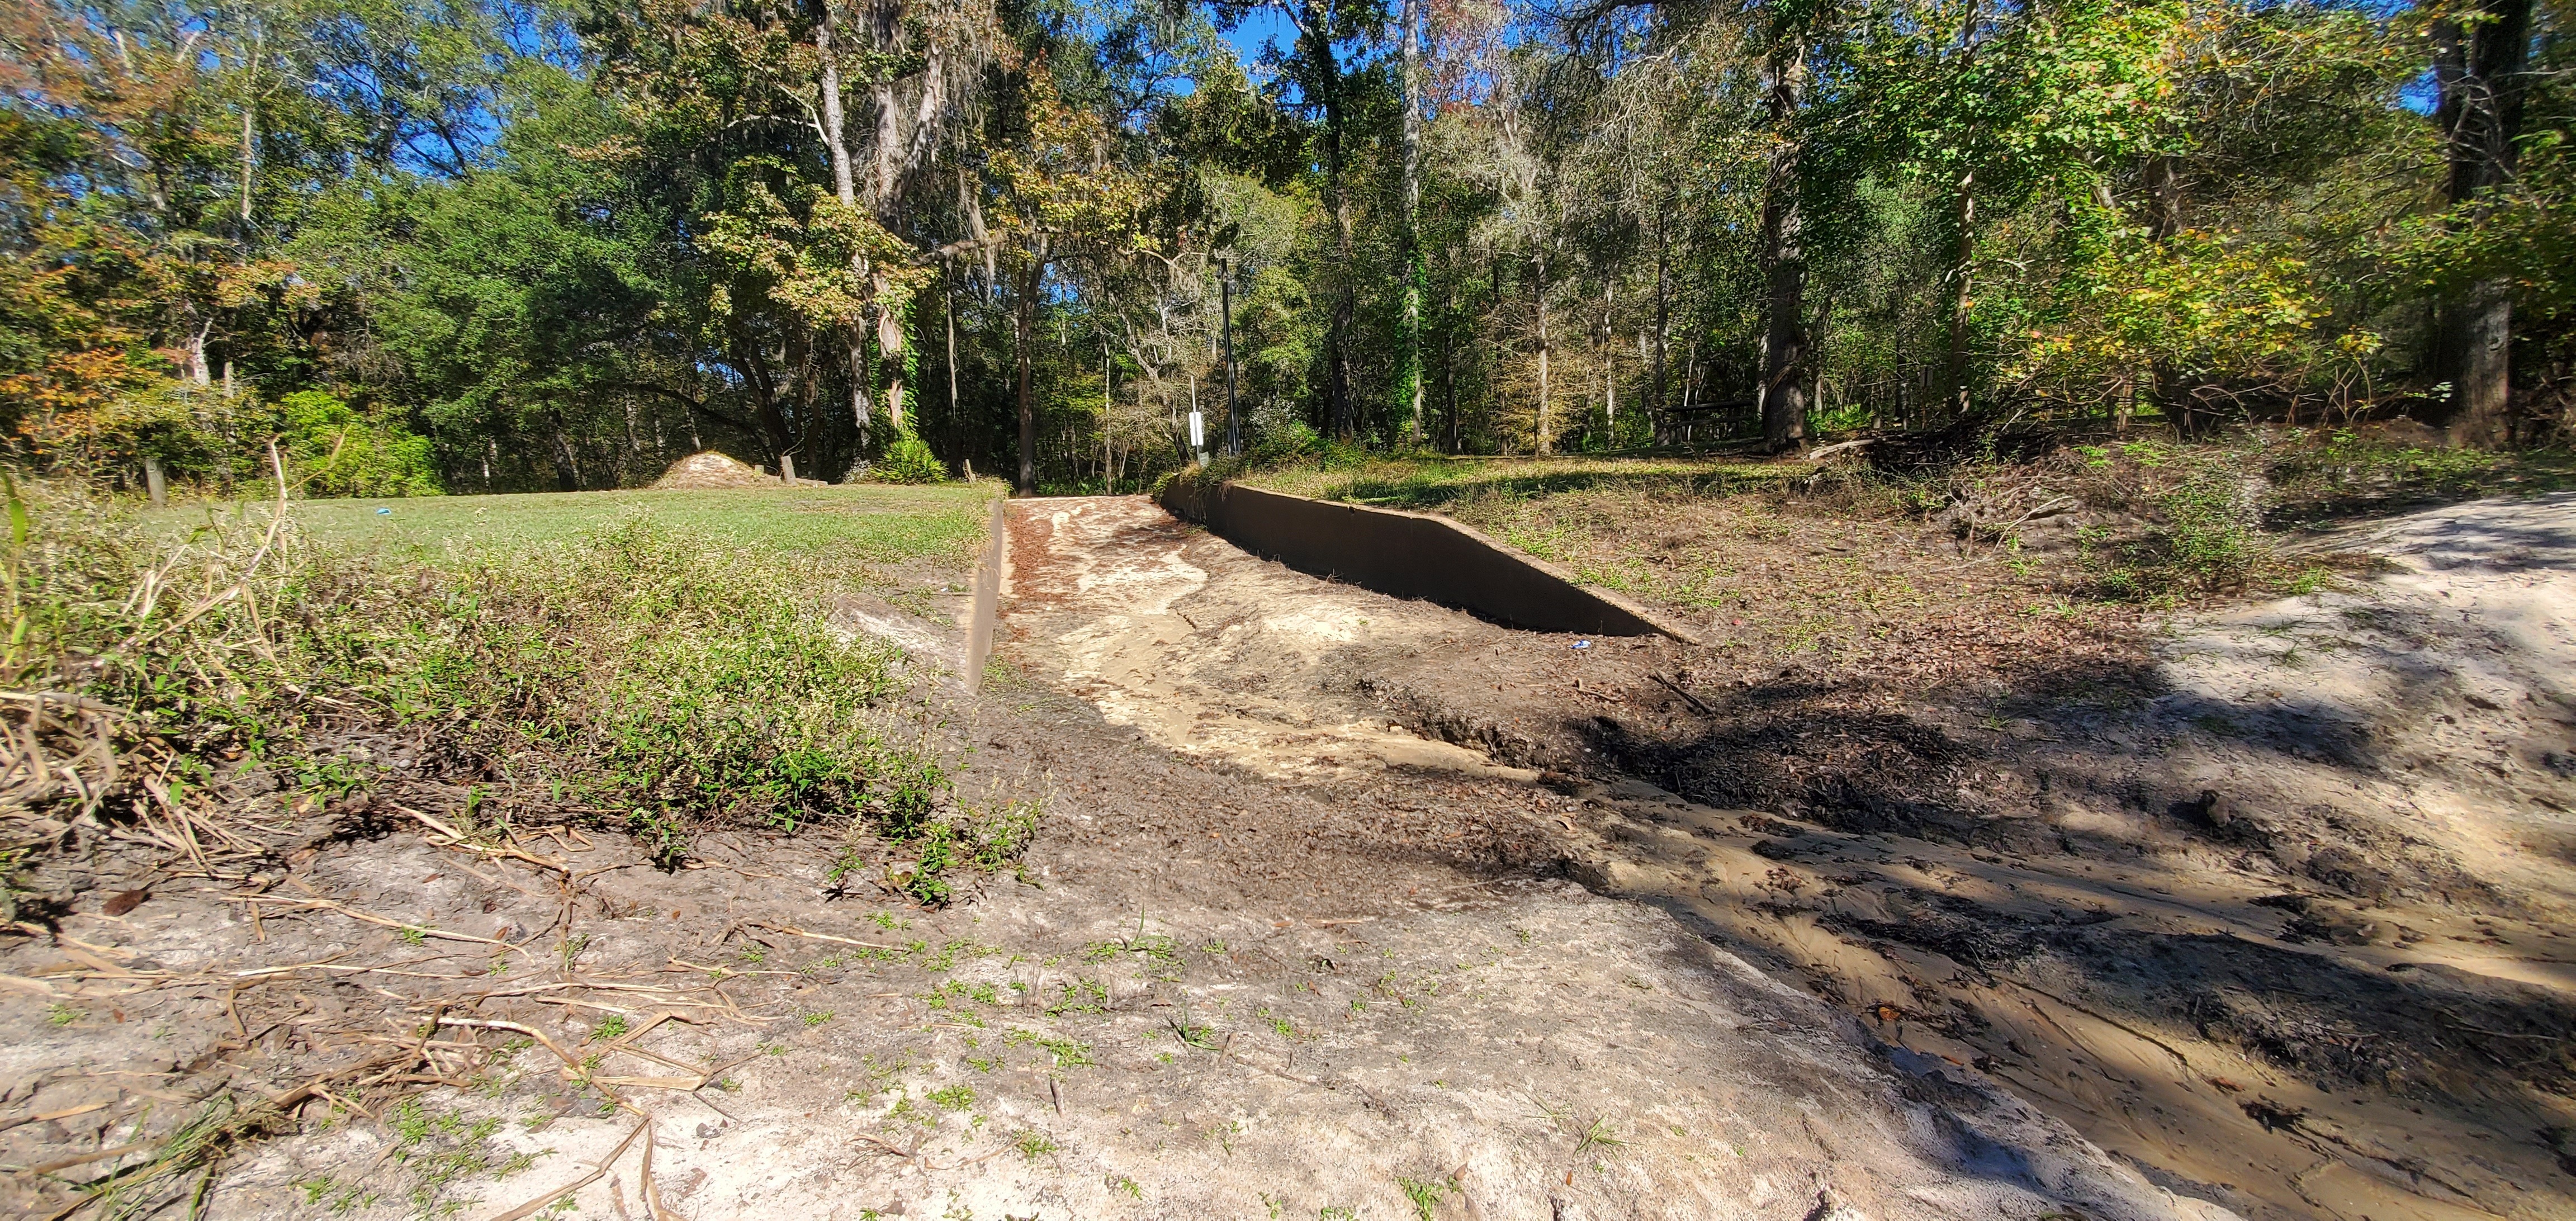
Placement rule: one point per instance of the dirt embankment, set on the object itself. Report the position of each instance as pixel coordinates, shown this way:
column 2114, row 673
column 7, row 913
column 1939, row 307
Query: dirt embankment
column 2270, row 903
column 1315, row 984
column 2271, row 906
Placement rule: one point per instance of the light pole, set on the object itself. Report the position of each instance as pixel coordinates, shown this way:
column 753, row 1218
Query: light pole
column 1225, row 298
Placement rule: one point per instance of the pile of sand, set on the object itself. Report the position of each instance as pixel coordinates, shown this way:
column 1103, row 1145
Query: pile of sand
column 711, row 470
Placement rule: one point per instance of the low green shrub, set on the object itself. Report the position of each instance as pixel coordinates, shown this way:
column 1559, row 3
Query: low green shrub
column 631, row 676
column 2204, row 510
column 908, row 460
column 2323, row 470
column 335, row 450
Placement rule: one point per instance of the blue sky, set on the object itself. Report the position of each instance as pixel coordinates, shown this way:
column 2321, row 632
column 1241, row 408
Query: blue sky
column 1263, row 25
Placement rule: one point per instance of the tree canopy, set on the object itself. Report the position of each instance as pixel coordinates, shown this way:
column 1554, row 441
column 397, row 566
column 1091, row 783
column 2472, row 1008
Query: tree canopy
column 513, row 244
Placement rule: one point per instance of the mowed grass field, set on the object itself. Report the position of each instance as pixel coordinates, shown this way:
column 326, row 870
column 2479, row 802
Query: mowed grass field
column 858, row 528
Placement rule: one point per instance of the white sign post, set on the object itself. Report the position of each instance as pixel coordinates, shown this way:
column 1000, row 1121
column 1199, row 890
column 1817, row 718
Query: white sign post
column 1198, row 436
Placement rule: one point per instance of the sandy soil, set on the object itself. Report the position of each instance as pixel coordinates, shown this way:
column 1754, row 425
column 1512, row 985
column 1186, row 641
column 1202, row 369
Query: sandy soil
column 1361, row 990
column 1296, row 939
column 2270, row 903
column 710, row 469
column 1170, row 630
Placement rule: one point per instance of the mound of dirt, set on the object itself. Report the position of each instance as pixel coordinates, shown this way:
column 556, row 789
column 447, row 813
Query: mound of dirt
column 711, row 469
column 2268, row 901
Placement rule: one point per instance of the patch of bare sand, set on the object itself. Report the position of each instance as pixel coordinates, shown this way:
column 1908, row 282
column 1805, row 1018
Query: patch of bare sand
column 2279, row 915
column 711, row 469
column 2269, row 901
column 1511, row 1049
column 1217, row 654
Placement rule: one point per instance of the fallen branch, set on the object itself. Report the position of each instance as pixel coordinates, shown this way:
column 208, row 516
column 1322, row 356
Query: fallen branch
column 532, row 1032
column 458, row 839
column 1676, row 689
column 66, row 1163
column 793, row 931
column 1821, row 453
column 368, row 917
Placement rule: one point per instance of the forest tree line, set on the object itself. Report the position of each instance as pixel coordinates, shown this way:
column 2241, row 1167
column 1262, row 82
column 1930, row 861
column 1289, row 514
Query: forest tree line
column 522, row 244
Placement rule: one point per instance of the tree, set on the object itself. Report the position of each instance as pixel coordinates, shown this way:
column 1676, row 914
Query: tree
column 1061, row 197
column 2480, row 47
column 565, row 244
column 1408, row 375
column 1783, row 390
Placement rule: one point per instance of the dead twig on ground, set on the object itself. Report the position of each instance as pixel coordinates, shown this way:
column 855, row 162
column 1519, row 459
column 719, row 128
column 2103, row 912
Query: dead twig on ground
column 793, row 931
column 1687, row 697
column 598, row 1171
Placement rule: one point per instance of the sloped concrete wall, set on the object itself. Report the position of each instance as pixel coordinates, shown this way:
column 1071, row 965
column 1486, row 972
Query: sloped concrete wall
column 1412, row 555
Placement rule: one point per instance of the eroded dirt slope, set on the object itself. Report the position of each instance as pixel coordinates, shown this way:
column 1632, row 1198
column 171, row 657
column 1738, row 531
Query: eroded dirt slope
column 2271, row 903
column 1214, row 653
column 1210, row 992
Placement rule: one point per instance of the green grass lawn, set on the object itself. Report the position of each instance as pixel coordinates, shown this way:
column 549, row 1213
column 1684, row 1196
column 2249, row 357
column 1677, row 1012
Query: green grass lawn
column 863, row 525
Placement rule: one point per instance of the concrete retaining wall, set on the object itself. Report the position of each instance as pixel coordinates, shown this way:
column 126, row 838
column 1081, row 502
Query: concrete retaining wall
column 1412, row 555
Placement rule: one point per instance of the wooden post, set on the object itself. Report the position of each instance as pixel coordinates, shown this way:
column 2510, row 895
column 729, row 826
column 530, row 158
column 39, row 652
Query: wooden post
column 988, row 597
column 787, row 469
column 154, row 485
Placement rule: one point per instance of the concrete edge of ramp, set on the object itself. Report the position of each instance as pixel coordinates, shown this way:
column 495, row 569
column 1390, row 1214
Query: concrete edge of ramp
column 1413, row 555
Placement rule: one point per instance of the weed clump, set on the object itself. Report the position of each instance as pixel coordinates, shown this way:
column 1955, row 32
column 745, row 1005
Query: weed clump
column 2203, row 533
column 631, row 676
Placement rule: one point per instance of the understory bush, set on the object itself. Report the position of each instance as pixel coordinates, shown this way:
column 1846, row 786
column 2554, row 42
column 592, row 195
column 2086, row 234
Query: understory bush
column 221, row 442
column 2204, row 535
column 633, row 676
column 2151, row 521
column 2322, row 471
column 908, row 460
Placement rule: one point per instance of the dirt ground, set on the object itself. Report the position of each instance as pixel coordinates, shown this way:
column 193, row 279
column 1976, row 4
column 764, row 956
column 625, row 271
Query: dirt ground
column 2270, row 905
column 1303, row 985
column 2270, row 902
column 711, row 470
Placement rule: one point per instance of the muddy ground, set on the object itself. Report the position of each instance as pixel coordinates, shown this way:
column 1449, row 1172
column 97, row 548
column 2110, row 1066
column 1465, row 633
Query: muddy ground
column 2270, row 902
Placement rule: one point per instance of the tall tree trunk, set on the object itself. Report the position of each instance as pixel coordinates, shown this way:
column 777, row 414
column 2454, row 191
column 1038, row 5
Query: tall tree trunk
column 844, row 187
column 194, row 367
column 1322, row 19
column 1494, row 363
column 567, row 467
column 2480, row 71
column 1025, row 308
column 1609, row 357
column 1963, row 251
column 2164, row 197
column 757, row 377
column 948, row 315
column 2164, row 220
column 1546, row 443
column 1408, row 373
column 1449, row 379
column 1784, row 341
column 248, row 165
column 893, row 339
column 892, row 151
column 1663, row 309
